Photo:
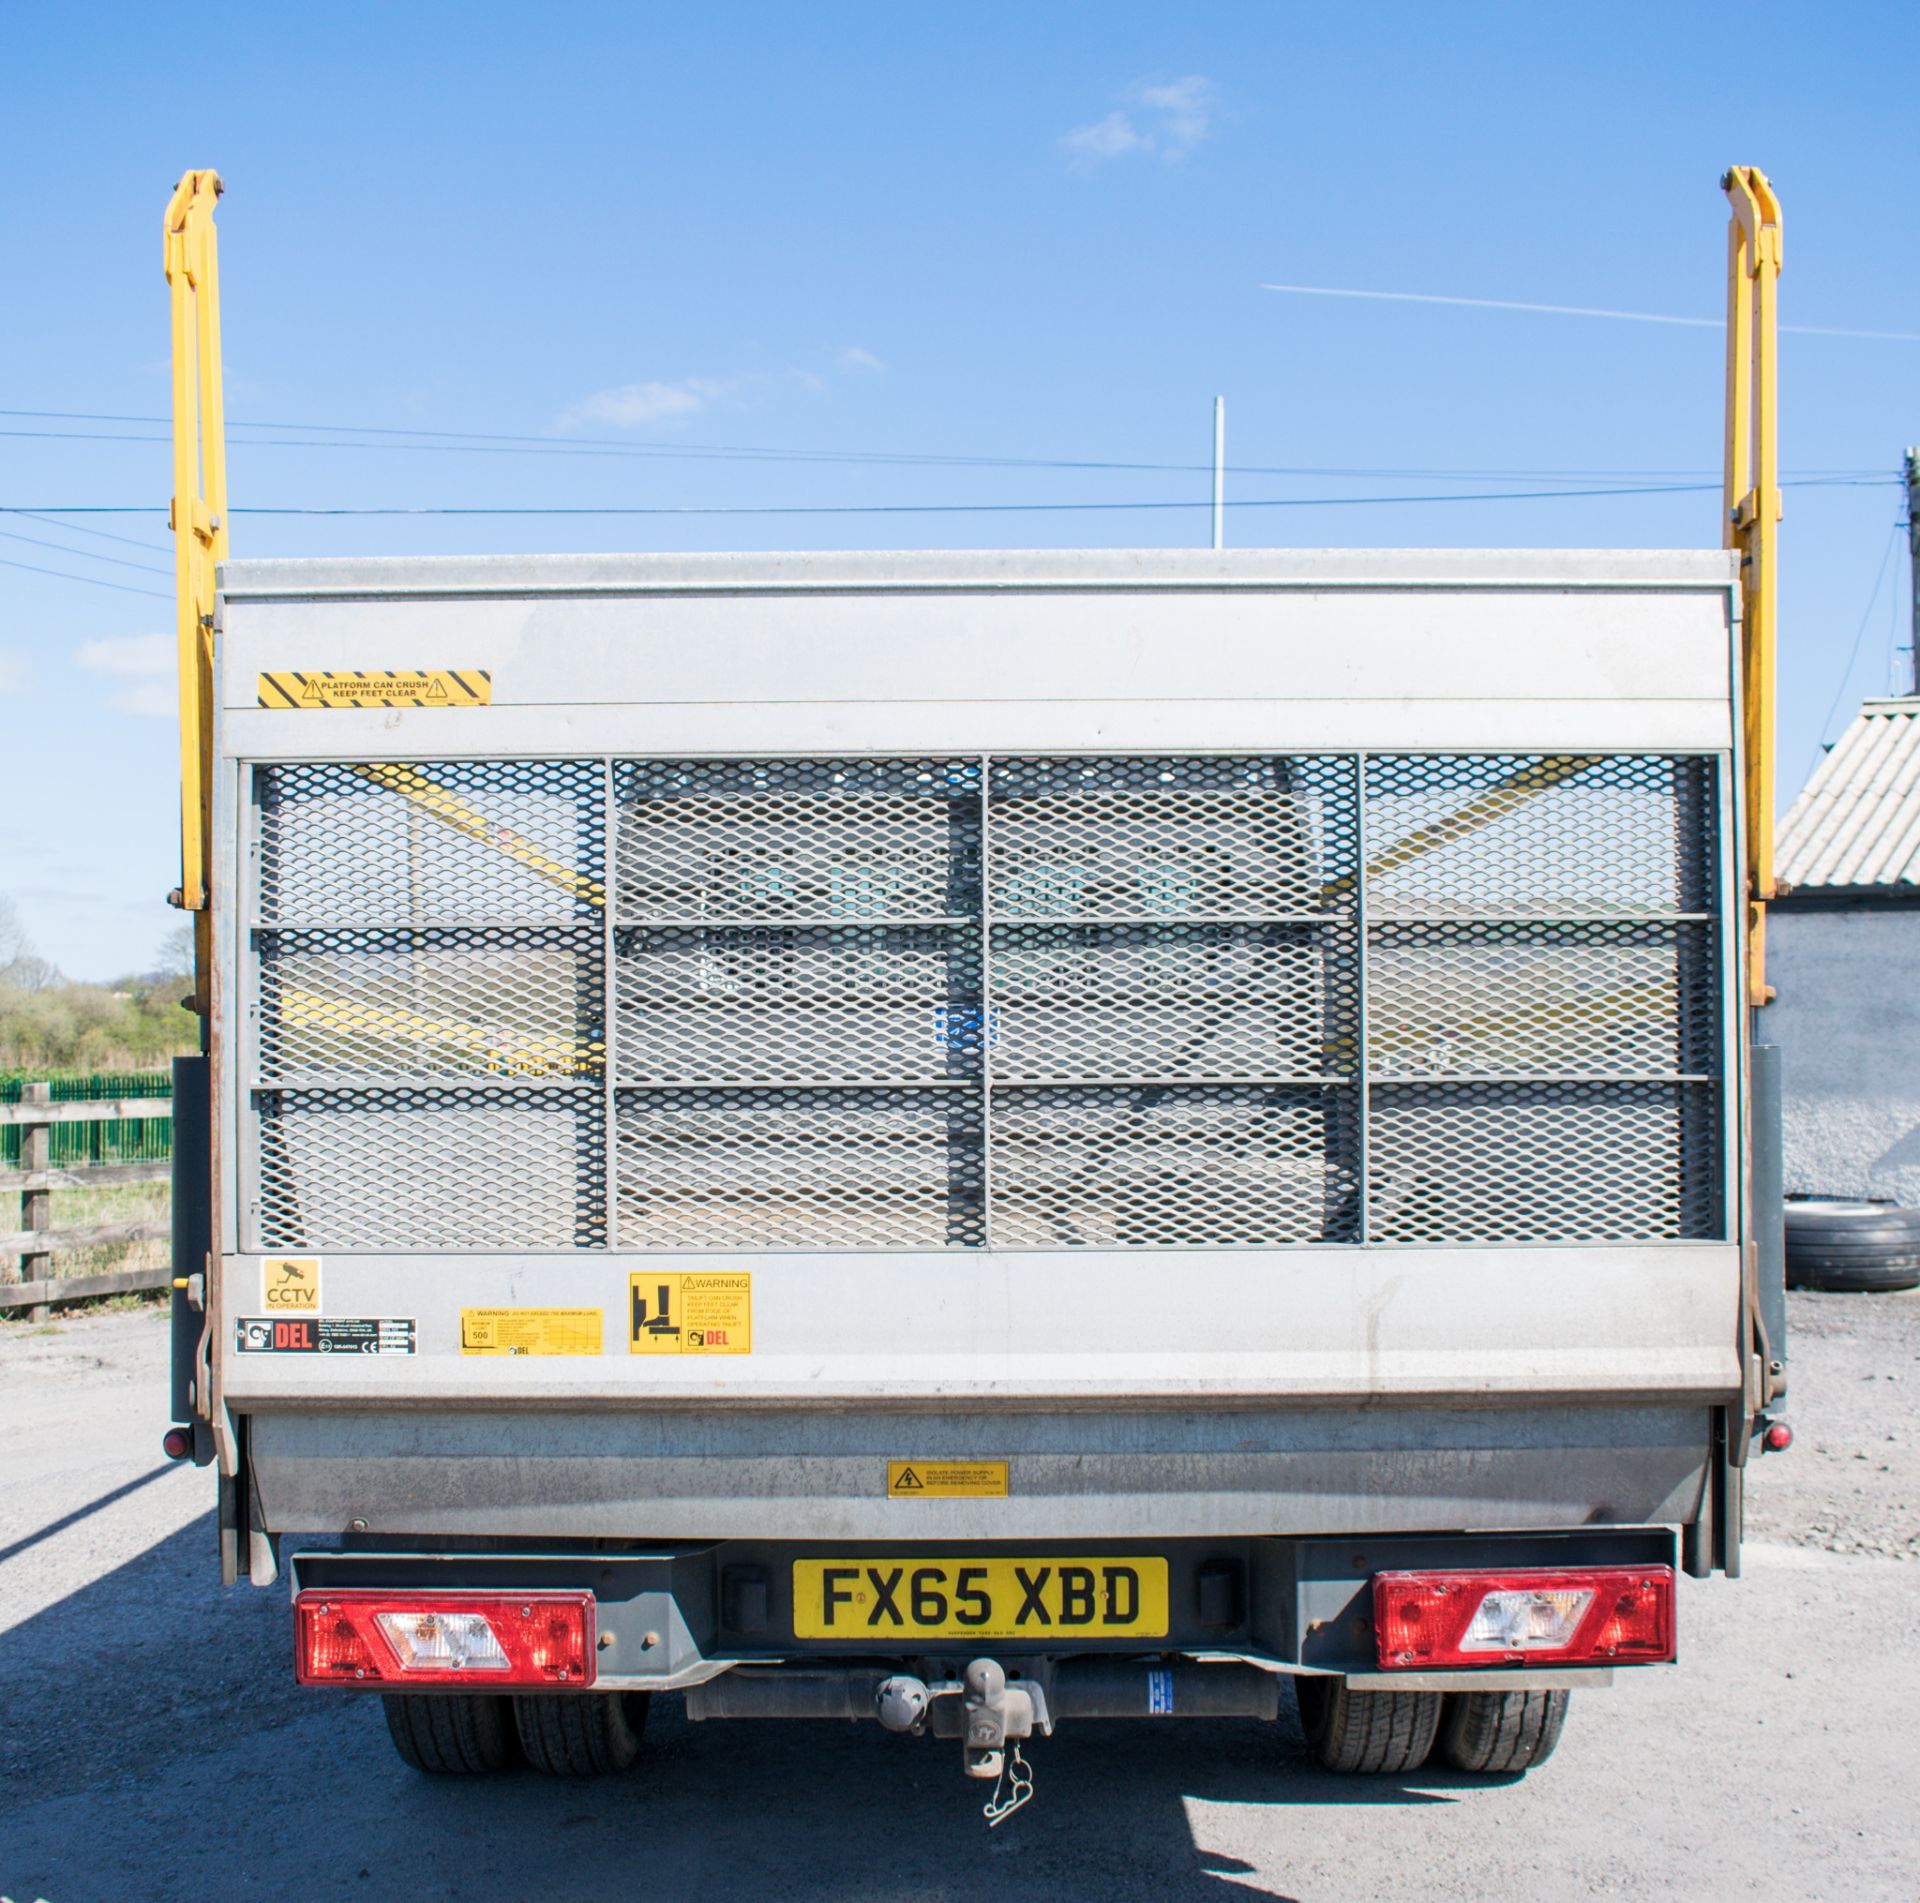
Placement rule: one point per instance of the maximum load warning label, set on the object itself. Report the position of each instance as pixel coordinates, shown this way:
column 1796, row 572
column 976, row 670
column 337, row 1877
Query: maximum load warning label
column 530, row 1331
column 691, row 1314
column 318, row 690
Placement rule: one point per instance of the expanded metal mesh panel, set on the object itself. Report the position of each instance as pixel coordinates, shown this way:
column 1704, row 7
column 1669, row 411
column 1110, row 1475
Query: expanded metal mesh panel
column 1172, row 1168
column 1538, row 835
column 1170, row 837
column 1174, row 1001
column 504, row 1002
column 1542, row 1162
column 936, row 1003
column 1449, row 998
column 800, row 1169
column 458, row 1168
column 892, row 1003
column 816, row 839
column 441, row 842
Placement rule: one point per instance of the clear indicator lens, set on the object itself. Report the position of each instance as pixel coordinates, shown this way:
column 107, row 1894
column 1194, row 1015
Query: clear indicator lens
column 443, row 1641
column 1526, row 1621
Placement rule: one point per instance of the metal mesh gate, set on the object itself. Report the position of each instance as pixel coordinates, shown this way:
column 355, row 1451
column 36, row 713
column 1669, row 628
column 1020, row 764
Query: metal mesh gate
column 961, row 1002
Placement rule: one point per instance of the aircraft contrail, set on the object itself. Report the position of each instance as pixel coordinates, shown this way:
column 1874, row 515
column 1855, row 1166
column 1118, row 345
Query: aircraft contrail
column 1581, row 310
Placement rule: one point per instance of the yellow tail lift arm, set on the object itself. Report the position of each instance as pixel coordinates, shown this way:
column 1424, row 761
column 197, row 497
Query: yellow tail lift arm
column 1753, row 512
column 199, row 531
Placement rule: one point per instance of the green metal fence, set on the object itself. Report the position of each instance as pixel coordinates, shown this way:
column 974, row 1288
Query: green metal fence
column 147, row 1140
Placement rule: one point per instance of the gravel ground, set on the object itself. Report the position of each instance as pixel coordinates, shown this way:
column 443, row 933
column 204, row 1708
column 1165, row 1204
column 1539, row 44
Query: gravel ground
column 1852, row 1481
column 153, row 1745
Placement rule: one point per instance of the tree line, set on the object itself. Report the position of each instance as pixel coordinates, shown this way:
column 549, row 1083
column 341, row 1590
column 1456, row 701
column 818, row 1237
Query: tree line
column 49, row 1022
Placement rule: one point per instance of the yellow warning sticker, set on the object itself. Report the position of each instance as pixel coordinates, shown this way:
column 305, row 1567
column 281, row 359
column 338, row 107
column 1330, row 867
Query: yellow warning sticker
column 290, row 1285
column 946, row 1480
column 691, row 1314
column 409, row 687
column 530, row 1331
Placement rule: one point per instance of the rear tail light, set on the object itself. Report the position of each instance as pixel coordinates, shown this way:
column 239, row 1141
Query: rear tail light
column 1590, row 1615
column 502, row 1640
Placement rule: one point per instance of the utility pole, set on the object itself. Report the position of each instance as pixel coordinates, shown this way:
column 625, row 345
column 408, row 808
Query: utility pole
column 1220, row 475
column 1913, row 553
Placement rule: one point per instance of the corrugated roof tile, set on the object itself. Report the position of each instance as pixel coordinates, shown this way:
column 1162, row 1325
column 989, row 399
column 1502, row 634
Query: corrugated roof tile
column 1857, row 822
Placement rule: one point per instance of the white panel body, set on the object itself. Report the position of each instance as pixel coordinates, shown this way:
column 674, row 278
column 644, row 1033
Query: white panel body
column 904, row 653
column 1533, row 652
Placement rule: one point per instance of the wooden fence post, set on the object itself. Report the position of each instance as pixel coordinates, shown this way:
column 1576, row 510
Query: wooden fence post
column 36, row 1205
column 27, row 1254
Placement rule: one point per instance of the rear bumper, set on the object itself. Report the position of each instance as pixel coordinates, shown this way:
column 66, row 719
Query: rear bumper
column 672, row 1616
column 695, row 1476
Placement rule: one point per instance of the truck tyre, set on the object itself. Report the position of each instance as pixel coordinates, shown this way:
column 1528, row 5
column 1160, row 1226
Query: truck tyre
column 452, row 1736
column 1852, row 1246
column 1501, row 1733
column 582, row 1734
column 1367, row 1732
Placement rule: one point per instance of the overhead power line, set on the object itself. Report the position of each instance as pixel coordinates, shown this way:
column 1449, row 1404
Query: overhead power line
column 44, row 510
column 85, row 554
column 476, row 442
column 1853, row 653
column 104, row 535
column 94, row 581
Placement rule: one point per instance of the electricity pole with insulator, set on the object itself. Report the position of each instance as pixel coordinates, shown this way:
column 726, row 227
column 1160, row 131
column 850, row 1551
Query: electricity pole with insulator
column 1913, row 552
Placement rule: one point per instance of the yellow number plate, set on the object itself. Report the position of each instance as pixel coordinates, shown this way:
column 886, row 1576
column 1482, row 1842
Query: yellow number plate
column 979, row 1598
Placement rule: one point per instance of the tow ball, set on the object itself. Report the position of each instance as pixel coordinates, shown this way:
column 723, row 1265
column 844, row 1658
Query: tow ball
column 996, row 1716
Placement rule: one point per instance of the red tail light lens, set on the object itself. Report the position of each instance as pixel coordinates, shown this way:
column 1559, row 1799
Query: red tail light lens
column 498, row 1639
column 1588, row 1615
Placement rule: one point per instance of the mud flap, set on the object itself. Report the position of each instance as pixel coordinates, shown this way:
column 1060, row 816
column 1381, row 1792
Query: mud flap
column 192, row 1192
column 246, row 1549
column 1710, row 1543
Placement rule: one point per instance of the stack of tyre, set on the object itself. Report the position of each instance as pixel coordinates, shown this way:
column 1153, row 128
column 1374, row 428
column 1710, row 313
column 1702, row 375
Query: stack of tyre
column 1854, row 1245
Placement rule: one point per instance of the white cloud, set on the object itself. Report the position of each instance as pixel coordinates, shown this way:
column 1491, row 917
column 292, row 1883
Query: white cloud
column 1106, row 138
column 631, row 405
column 146, row 663
column 1164, row 118
column 635, row 405
column 1186, row 111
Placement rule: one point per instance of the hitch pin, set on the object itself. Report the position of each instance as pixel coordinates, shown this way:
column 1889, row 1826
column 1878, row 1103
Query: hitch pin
column 1016, row 1779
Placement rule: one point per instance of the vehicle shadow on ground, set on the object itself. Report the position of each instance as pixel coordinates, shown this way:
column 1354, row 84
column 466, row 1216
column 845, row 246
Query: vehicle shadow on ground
column 155, row 1746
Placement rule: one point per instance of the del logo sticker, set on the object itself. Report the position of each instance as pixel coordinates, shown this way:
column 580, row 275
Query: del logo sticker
column 689, row 1314
column 324, row 1335
column 290, row 1285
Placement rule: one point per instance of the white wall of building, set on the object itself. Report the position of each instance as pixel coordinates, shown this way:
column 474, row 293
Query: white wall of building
column 1847, row 1021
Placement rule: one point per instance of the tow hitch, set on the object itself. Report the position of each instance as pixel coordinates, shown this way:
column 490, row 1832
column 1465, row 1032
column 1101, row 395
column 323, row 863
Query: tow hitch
column 989, row 1713
column 998, row 1715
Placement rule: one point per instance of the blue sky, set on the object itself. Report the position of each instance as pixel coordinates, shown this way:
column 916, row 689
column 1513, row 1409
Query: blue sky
column 1023, row 234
